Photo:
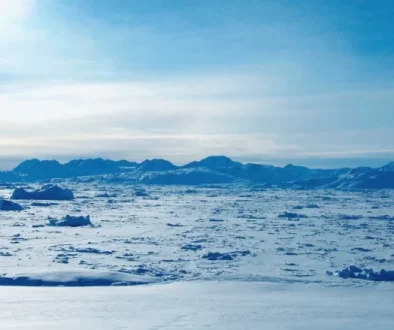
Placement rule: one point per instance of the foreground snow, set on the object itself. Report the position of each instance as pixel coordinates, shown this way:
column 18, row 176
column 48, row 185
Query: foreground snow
column 199, row 305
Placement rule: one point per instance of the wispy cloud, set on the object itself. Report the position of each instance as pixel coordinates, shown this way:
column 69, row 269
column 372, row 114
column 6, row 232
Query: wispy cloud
column 184, row 118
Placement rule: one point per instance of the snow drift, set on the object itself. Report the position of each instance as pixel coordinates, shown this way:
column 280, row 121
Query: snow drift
column 74, row 278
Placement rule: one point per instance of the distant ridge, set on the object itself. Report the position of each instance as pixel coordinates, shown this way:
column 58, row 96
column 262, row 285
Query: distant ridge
column 210, row 170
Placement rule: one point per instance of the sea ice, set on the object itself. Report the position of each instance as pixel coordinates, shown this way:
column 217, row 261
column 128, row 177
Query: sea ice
column 9, row 206
column 71, row 221
column 51, row 192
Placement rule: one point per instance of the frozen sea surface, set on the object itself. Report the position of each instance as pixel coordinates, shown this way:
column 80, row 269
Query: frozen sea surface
column 175, row 233
column 241, row 256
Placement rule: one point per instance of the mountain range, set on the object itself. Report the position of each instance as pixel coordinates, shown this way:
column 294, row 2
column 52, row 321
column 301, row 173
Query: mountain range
column 210, row 170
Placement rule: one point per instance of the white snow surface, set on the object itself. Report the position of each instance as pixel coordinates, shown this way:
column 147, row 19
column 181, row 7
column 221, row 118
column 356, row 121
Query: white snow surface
column 199, row 305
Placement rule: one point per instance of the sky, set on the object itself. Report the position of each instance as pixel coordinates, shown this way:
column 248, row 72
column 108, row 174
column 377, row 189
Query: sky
column 268, row 81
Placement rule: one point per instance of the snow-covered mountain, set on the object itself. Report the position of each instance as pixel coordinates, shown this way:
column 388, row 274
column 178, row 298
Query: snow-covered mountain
column 213, row 169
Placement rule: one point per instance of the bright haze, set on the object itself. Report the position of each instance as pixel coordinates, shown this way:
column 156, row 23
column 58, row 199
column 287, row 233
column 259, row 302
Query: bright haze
column 266, row 81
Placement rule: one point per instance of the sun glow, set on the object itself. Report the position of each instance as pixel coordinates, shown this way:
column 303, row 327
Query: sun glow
column 13, row 9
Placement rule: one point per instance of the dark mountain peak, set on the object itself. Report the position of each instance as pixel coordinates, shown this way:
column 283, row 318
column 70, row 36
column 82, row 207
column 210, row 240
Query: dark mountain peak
column 254, row 165
column 156, row 165
column 217, row 158
column 296, row 171
column 388, row 168
column 91, row 166
column 295, row 167
column 214, row 162
column 35, row 169
column 28, row 162
column 359, row 170
column 73, row 163
column 126, row 163
column 9, row 176
column 85, row 160
column 40, row 169
column 31, row 163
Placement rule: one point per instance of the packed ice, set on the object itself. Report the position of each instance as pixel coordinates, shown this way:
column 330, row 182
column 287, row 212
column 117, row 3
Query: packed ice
column 216, row 229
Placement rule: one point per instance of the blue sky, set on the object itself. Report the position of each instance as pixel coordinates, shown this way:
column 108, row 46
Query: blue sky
column 307, row 82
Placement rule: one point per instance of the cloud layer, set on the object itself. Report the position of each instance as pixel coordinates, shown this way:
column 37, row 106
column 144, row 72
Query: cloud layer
column 270, row 82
